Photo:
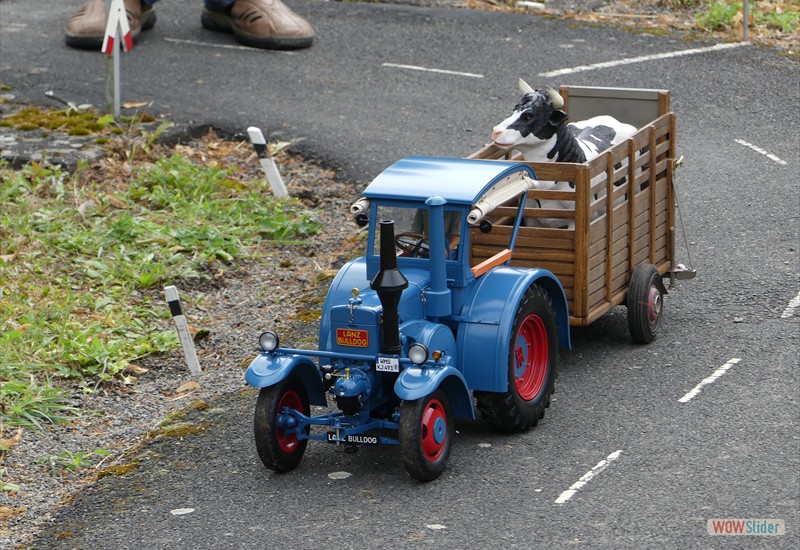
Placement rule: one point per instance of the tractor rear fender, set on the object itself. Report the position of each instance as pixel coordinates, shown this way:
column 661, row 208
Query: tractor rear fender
column 415, row 383
column 487, row 319
column 268, row 369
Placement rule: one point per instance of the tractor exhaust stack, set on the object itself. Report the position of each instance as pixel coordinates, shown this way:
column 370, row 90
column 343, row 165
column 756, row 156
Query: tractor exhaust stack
column 389, row 284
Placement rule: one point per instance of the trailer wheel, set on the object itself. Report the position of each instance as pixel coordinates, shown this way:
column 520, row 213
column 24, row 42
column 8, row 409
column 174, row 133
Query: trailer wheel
column 532, row 357
column 426, row 435
column 645, row 303
column 278, row 447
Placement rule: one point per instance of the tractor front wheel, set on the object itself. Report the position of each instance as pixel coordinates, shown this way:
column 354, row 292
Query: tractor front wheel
column 426, row 435
column 276, row 441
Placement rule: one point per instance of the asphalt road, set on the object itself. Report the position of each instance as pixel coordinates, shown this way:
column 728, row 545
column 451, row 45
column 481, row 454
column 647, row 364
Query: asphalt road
column 732, row 451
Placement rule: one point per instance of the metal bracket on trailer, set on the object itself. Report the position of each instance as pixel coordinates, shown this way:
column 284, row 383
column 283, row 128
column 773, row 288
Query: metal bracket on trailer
column 680, row 271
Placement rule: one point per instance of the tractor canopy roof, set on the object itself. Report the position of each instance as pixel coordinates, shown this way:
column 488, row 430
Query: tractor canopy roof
column 458, row 181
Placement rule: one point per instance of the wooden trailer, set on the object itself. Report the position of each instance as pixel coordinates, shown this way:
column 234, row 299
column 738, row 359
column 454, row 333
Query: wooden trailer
column 623, row 214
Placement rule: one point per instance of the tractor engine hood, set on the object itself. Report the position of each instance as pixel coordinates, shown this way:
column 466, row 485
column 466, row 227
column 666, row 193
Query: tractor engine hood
column 355, row 326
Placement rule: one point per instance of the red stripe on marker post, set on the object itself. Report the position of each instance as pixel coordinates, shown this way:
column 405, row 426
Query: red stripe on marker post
column 187, row 343
column 108, row 46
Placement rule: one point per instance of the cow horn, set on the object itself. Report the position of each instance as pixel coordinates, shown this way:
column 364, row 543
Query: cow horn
column 555, row 97
column 524, row 87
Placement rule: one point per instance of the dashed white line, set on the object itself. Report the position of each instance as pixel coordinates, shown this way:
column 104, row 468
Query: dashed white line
column 793, row 305
column 643, row 58
column 708, row 380
column 429, row 70
column 224, row 46
column 762, row 151
column 587, row 477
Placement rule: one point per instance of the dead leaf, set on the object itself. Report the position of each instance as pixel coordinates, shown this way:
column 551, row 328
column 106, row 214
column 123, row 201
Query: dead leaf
column 135, row 369
column 136, row 104
column 115, row 200
column 8, row 511
column 13, row 441
column 188, row 387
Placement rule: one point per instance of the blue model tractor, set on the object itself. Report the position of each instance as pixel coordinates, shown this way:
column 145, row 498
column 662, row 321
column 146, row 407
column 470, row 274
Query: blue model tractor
column 411, row 330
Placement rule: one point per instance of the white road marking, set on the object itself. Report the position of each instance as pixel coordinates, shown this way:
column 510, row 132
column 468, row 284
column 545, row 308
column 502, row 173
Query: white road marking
column 224, row 46
column 641, row 59
column 429, row 70
column 762, row 151
column 587, row 477
column 708, row 380
column 793, row 305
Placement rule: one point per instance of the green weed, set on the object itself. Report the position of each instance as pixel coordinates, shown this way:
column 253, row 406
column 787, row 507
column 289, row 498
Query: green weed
column 787, row 22
column 67, row 460
column 28, row 403
column 719, row 16
column 5, row 486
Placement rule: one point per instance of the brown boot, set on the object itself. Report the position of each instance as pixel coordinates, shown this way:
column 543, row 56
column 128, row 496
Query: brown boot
column 87, row 28
column 266, row 24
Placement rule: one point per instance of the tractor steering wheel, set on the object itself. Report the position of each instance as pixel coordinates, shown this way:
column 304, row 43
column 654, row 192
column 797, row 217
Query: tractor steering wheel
column 414, row 245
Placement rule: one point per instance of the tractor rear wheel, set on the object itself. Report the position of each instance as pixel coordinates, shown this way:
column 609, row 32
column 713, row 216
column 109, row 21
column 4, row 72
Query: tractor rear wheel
column 277, row 444
column 426, row 435
column 532, row 357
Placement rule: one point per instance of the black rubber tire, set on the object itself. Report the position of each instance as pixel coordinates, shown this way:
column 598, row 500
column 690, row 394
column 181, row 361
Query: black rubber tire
column 423, row 457
column 645, row 303
column 279, row 451
column 510, row 411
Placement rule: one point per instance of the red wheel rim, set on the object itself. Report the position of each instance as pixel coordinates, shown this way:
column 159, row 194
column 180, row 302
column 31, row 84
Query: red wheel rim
column 531, row 354
column 433, row 430
column 653, row 306
column 287, row 441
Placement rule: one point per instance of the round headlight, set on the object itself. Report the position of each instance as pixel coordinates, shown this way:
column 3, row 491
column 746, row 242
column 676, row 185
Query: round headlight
column 268, row 341
column 418, row 354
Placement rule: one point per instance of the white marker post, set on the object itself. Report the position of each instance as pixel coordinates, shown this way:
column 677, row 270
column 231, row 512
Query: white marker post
column 117, row 27
column 274, row 178
column 183, row 329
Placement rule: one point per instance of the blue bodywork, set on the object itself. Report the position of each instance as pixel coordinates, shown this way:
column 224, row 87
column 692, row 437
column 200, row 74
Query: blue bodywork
column 466, row 320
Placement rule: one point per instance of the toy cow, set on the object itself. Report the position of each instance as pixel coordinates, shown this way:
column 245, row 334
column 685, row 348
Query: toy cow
column 538, row 129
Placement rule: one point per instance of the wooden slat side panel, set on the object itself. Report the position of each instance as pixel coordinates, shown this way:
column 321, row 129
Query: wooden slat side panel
column 582, row 181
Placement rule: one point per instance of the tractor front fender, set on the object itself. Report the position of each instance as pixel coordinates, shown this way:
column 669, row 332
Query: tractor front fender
column 267, row 369
column 415, row 383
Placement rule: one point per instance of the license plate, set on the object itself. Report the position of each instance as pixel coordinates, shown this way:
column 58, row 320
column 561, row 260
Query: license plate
column 387, row 364
column 359, row 439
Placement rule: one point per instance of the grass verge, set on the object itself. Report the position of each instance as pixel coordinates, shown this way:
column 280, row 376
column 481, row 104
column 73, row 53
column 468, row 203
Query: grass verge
column 81, row 256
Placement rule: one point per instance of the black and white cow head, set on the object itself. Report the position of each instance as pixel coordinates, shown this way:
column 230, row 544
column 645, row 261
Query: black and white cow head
column 535, row 120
